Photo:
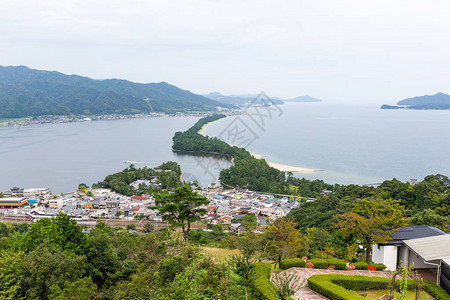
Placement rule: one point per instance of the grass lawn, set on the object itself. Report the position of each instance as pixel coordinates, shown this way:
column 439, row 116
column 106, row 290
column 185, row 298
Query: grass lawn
column 410, row 295
column 220, row 254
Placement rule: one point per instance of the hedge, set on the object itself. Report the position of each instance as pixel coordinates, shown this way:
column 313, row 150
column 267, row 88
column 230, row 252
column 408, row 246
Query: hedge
column 324, row 285
column 291, row 263
column 339, row 264
column 380, row 267
column 361, row 265
column 343, row 287
column 436, row 291
column 319, row 263
column 262, row 286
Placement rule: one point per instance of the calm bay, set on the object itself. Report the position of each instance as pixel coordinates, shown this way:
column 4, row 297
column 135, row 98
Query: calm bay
column 351, row 144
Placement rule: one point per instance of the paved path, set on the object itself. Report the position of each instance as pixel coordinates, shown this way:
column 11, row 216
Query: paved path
column 306, row 293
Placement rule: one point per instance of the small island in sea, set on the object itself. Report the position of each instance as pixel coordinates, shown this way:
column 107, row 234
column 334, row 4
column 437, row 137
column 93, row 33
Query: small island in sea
column 247, row 98
column 439, row 101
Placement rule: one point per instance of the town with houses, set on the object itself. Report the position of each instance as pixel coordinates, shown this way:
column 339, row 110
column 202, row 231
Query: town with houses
column 227, row 206
column 84, row 118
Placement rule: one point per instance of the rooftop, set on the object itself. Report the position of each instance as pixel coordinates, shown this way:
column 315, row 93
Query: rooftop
column 415, row 232
column 431, row 248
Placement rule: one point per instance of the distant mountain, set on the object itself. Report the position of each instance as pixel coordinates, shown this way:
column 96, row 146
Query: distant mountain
column 242, row 99
column 303, row 99
column 439, row 101
column 27, row 92
column 239, row 99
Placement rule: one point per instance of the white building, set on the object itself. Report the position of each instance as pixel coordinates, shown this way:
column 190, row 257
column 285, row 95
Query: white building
column 395, row 252
column 56, row 203
column 37, row 193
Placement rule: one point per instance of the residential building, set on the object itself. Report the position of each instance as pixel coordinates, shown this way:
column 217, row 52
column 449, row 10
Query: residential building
column 12, row 202
column 395, row 252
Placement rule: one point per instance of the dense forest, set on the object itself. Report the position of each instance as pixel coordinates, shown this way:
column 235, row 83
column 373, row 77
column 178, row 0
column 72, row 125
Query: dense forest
column 425, row 203
column 26, row 92
column 168, row 175
column 58, row 259
column 254, row 174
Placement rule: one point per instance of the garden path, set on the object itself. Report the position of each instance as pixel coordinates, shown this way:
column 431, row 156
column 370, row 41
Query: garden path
column 306, row 293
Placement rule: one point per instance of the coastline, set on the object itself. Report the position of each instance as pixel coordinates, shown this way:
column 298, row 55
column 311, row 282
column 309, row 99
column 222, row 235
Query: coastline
column 280, row 167
column 287, row 168
column 27, row 121
column 204, row 127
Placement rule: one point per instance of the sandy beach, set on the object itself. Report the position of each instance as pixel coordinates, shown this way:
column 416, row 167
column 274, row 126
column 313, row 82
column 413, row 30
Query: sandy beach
column 281, row 167
column 202, row 130
column 286, row 168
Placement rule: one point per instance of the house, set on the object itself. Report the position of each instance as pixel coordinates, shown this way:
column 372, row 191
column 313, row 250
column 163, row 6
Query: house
column 112, row 204
column 14, row 192
column 326, row 192
column 12, row 202
column 431, row 253
column 128, row 212
column 56, row 203
column 139, row 198
column 145, row 184
column 237, row 227
column 226, row 219
column 395, row 252
column 37, row 193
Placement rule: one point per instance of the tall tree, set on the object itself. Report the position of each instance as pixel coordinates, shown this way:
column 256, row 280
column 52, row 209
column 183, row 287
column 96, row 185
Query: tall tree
column 249, row 222
column 372, row 221
column 61, row 232
column 242, row 265
column 283, row 236
column 317, row 239
column 431, row 218
column 181, row 208
column 47, row 266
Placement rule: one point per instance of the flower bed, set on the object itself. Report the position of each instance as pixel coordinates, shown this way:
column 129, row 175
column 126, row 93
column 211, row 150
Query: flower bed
column 338, row 264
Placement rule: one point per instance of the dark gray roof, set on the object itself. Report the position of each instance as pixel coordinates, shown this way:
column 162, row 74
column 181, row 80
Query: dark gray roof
column 221, row 197
column 414, row 232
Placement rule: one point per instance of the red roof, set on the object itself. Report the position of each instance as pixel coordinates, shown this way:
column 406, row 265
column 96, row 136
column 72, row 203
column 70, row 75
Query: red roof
column 139, row 198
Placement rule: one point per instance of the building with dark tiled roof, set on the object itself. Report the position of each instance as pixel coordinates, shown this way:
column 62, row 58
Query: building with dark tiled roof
column 395, row 252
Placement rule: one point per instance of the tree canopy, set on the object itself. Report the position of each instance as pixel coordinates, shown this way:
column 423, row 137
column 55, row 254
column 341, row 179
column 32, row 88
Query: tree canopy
column 372, row 221
column 181, row 208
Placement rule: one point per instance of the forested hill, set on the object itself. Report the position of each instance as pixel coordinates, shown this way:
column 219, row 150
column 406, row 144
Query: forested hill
column 27, row 92
column 438, row 101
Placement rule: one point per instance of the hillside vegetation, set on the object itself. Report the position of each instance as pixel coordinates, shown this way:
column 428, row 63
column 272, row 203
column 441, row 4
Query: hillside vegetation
column 26, row 92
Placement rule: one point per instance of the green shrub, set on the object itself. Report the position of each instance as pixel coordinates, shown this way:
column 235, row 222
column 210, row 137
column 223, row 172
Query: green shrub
column 361, row 265
column 319, row 263
column 360, row 282
column 380, row 267
column 291, row 263
column 339, row 264
column 262, row 286
column 435, row 291
column 324, row 286
column 168, row 268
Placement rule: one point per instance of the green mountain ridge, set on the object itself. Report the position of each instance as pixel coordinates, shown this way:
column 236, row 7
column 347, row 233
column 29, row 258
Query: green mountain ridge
column 439, row 101
column 27, row 92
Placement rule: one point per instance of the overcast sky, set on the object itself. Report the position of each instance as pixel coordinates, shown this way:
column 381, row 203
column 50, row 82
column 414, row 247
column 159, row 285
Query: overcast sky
column 371, row 51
